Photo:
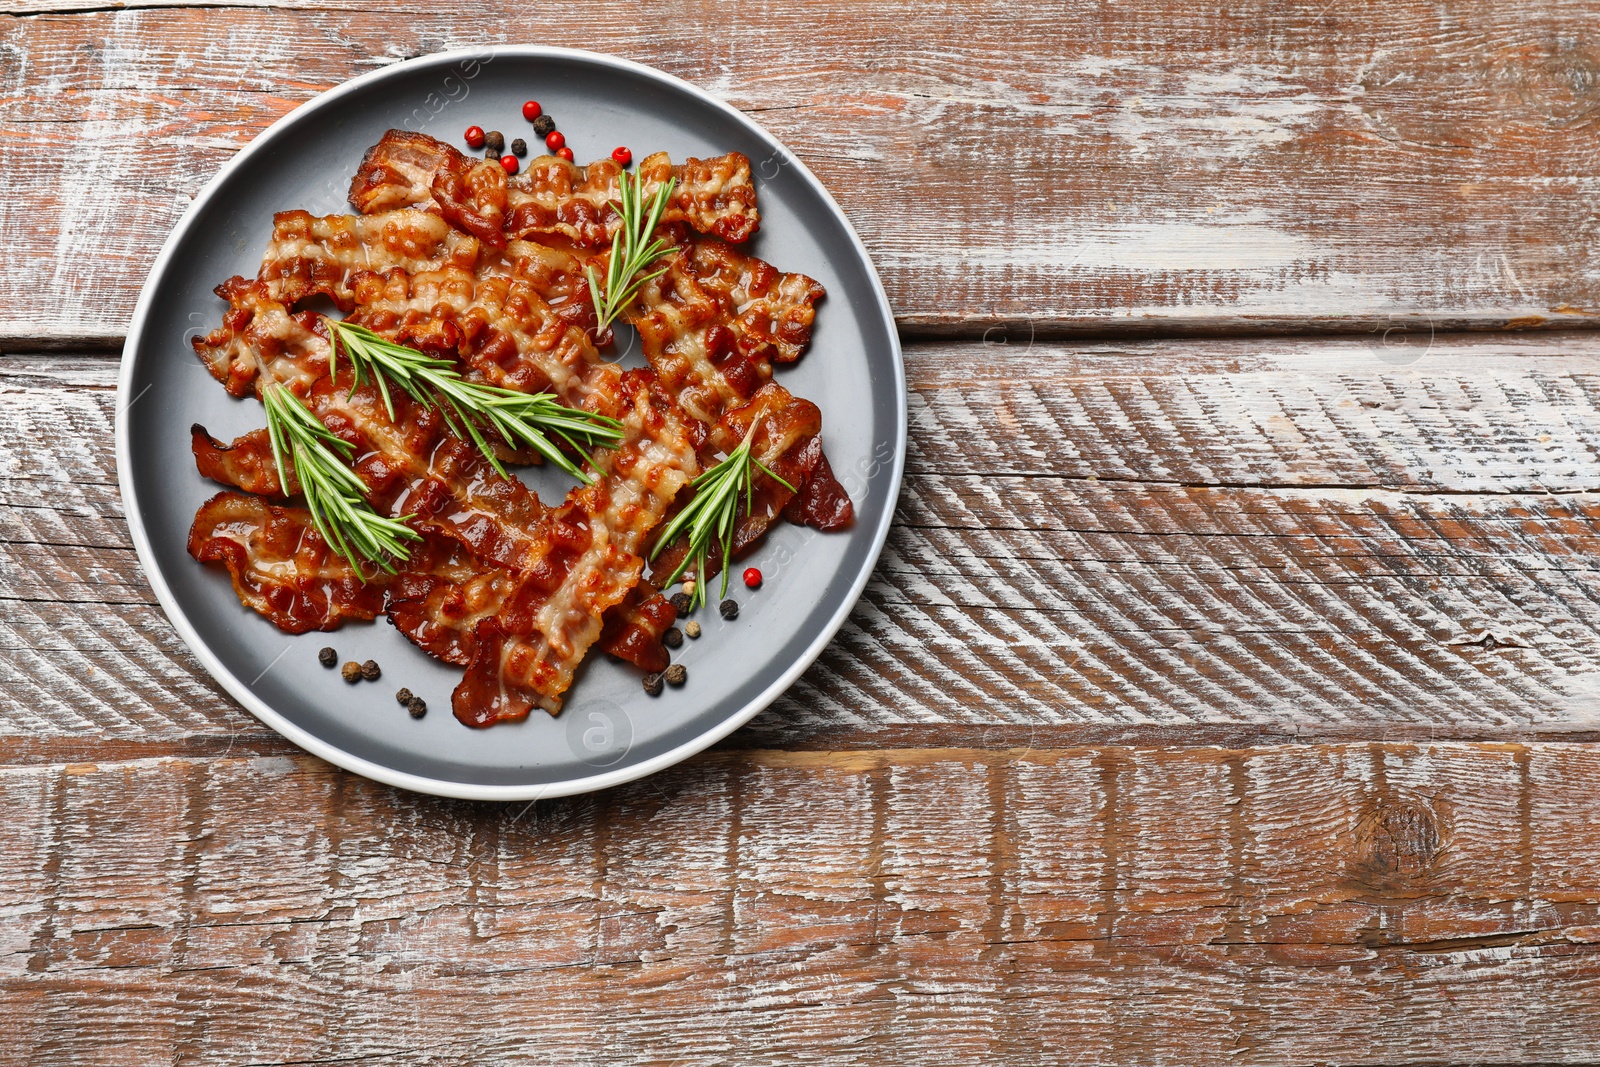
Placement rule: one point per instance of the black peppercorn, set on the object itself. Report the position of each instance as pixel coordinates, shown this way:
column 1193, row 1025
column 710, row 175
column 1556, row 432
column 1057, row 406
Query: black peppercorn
column 676, row 674
column 543, row 125
column 673, row 638
column 403, row 696
column 370, row 671
column 652, row 684
column 519, row 147
column 494, row 142
column 327, row 657
column 417, row 707
column 351, row 672
column 680, row 603
column 729, row 609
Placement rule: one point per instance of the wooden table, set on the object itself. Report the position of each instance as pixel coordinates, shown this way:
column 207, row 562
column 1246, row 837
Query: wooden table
column 1227, row 692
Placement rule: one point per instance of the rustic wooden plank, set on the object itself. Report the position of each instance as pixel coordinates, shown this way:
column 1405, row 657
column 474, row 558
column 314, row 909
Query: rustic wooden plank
column 1222, row 541
column 1078, row 166
column 1336, row 904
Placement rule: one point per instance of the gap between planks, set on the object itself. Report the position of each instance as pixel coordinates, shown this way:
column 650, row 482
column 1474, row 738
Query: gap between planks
column 1396, row 329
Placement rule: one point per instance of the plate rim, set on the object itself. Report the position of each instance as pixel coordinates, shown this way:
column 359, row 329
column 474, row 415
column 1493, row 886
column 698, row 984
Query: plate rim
column 330, row 752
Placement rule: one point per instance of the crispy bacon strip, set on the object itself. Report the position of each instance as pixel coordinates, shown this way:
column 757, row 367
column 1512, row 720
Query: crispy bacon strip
column 281, row 566
column 283, row 569
column 551, row 198
column 527, row 653
column 313, row 255
column 634, row 628
column 772, row 312
column 246, row 464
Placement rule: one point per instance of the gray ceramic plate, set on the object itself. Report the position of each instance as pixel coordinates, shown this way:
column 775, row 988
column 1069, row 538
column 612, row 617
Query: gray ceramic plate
column 611, row 731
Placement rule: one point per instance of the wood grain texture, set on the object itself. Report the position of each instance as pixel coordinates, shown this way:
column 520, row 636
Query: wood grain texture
column 1079, row 166
column 1209, row 541
column 1335, row 904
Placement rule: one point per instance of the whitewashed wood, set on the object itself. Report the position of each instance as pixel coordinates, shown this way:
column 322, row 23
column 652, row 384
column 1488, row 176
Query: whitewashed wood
column 1138, row 167
column 1335, row 904
column 1229, row 541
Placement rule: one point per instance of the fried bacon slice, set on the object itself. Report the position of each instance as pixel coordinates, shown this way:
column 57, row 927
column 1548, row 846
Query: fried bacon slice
column 311, row 255
column 551, row 198
column 634, row 628
column 283, row 569
column 527, row 653
column 771, row 311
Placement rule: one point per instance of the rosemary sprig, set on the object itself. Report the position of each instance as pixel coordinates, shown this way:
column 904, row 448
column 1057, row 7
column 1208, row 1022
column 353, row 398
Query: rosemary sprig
column 335, row 494
column 632, row 249
column 470, row 408
column 712, row 513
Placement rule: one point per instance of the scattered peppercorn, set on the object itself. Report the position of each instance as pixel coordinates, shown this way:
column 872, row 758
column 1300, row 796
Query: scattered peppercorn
column 327, row 657
column 688, row 586
column 370, row 671
column 474, row 136
column 495, row 141
column 543, row 125
column 417, row 707
column 519, row 147
column 554, row 140
column 622, row 156
column 692, row 629
column 676, row 674
column 673, row 638
column 565, row 153
column 729, row 609
column 652, row 684
column 509, row 163
column 351, row 671
column 532, row 111
column 680, row 603
column 403, row 696
column 752, row 578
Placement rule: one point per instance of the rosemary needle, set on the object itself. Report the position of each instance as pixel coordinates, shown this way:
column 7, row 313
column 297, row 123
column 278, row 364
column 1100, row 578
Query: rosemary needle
column 335, row 494
column 470, row 408
column 711, row 514
column 632, row 249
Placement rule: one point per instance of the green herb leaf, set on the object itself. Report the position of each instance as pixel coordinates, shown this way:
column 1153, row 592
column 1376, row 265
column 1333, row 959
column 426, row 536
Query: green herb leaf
column 471, row 408
column 335, row 494
column 632, row 249
column 712, row 514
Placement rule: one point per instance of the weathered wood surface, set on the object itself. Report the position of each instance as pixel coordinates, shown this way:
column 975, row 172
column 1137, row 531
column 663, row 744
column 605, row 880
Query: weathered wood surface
column 1386, row 904
column 1204, row 541
column 1224, row 701
column 1145, row 166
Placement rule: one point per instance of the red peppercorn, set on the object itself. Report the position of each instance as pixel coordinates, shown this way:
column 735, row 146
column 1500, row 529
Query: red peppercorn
column 622, row 156
column 510, row 163
column 474, row 136
column 752, row 578
column 554, row 140
column 531, row 110
column 565, row 153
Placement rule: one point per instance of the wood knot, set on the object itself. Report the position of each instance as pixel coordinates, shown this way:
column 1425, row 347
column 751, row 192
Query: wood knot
column 1396, row 844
